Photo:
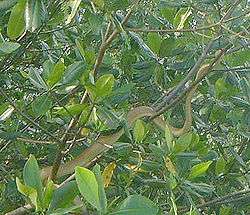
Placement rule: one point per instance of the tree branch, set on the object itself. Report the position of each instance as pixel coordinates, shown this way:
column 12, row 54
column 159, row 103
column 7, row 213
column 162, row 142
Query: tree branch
column 232, row 197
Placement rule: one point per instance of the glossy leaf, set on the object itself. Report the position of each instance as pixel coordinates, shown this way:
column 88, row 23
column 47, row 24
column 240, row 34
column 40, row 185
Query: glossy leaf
column 36, row 79
column 108, row 173
column 64, row 196
column 199, row 169
column 67, row 210
column 32, row 177
column 8, row 47
column 73, row 72
column 220, row 166
column 48, row 193
column 28, row 191
column 16, row 24
column 154, row 42
column 183, row 143
column 88, row 186
column 104, row 85
column 137, row 204
column 139, row 130
column 71, row 110
column 57, row 73
column 42, row 104
column 101, row 191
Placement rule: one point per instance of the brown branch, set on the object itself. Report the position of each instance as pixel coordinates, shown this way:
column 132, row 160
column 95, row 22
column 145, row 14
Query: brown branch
column 42, row 142
column 189, row 88
column 105, row 44
column 21, row 210
column 187, row 29
column 182, row 85
column 232, row 197
column 171, row 97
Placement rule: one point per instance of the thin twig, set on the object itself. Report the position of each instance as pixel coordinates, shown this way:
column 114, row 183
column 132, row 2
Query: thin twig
column 221, row 200
column 27, row 117
column 187, row 29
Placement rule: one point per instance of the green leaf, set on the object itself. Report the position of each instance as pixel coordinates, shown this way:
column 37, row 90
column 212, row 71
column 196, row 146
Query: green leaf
column 16, row 24
column 239, row 58
column 48, row 66
column 28, row 191
column 199, row 169
column 88, row 186
column 6, row 4
column 224, row 90
column 57, row 73
column 32, row 177
column 167, row 47
column 168, row 14
column 41, row 105
column 80, row 48
column 144, row 47
column 71, row 110
column 68, row 210
column 85, row 114
column 154, row 42
column 48, row 193
column 74, row 72
column 104, row 85
column 99, row 3
column 8, row 47
column 137, row 205
column 220, row 166
column 64, row 196
column 181, row 17
column 183, row 142
column 33, row 14
column 36, row 79
column 226, row 210
column 101, row 191
column 139, row 130
column 36, row 15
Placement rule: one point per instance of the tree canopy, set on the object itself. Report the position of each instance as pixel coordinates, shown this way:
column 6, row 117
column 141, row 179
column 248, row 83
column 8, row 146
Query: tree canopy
column 124, row 107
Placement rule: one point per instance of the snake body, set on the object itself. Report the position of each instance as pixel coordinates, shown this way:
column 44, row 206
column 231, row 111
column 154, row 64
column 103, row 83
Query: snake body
column 104, row 142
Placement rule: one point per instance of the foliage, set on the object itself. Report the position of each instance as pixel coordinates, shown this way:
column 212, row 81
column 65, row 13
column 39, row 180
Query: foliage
column 70, row 71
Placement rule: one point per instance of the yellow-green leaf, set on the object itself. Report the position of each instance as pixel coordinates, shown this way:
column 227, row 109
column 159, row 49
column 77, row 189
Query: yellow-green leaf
column 16, row 24
column 108, row 173
column 47, row 196
column 99, row 3
column 31, row 175
column 199, row 169
column 88, row 186
column 57, row 73
column 28, row 191
column 104, row 85
column 220, row 166
column 139, row 130
column 170, row 166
